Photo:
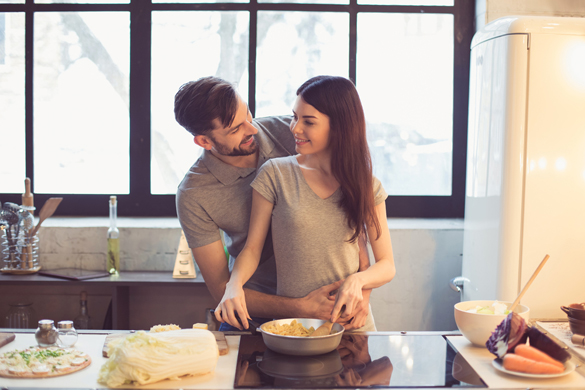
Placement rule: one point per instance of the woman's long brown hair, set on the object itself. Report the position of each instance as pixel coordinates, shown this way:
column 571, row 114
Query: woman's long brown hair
column 351, row 163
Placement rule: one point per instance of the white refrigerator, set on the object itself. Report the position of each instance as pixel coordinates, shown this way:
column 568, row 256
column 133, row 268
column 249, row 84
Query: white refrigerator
column 525, row 187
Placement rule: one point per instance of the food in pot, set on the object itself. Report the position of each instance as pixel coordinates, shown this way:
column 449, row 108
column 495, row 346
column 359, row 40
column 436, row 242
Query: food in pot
column 293, row 329
column 578, row 306
column 142, row 358
column 494, row 308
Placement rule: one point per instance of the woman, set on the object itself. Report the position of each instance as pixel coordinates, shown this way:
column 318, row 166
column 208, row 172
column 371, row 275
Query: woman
column 318, row 204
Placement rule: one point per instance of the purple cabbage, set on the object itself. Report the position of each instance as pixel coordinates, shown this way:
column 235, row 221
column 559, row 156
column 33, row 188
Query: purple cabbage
column 509, row 333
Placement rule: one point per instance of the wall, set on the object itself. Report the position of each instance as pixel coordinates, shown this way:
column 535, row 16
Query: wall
column 427, row 253
column 490, row 10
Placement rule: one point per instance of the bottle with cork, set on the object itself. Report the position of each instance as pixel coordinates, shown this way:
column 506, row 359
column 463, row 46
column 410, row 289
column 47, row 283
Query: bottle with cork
column 113, row 255
column 29, row 253
column 82, row 320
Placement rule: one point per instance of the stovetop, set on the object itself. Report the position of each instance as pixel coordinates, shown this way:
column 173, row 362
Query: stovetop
column 359, row 361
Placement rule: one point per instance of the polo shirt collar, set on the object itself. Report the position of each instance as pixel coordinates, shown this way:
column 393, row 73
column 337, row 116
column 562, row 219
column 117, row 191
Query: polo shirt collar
column 228, row 174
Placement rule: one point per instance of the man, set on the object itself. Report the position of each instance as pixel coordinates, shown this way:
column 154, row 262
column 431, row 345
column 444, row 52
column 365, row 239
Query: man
column 216, row 195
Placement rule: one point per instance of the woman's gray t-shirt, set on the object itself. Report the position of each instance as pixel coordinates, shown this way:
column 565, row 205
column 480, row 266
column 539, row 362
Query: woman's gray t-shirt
column 310, row 234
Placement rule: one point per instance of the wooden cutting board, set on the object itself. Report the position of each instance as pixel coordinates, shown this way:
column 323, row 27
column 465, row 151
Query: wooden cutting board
column 219, row 338
column 6, row 338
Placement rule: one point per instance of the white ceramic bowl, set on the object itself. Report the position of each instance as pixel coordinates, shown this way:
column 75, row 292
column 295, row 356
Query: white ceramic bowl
column 477, row 327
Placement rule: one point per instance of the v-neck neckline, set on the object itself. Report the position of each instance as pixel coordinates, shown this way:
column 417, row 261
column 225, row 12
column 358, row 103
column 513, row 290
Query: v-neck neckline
column 298, row 166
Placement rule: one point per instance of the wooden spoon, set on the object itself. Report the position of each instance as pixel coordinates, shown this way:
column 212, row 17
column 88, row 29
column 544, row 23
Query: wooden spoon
column 517, row 301
column 47, row 210
column 325, row 329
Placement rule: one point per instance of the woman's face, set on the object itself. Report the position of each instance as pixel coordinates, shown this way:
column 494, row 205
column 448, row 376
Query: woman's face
column 310, row 128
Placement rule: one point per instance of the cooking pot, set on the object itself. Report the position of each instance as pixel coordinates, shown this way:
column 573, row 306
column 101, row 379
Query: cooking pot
column 578, row 314
column 302, row 346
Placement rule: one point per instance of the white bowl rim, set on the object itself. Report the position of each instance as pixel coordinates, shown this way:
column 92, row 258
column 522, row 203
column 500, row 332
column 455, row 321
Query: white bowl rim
column 520, row 309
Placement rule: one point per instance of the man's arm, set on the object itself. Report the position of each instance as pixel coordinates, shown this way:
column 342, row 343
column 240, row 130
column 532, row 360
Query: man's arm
column 214, row 269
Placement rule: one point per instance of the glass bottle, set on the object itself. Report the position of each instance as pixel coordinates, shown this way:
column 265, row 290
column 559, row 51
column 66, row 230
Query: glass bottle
column 67, row 334
column 20, row 315
column 46, row 334
column 113, row 255
column 82, row 320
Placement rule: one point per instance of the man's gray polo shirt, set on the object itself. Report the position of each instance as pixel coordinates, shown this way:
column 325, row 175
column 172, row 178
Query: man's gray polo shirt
column 214, row 195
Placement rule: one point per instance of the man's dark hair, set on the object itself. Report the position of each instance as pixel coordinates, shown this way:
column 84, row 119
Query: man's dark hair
column 199, row 103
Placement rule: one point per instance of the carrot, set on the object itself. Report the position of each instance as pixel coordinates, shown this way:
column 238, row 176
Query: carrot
column 519, row 363
column 530, row 352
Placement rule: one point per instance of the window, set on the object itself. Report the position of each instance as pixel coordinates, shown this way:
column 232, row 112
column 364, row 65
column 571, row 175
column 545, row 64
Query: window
column 87, row 91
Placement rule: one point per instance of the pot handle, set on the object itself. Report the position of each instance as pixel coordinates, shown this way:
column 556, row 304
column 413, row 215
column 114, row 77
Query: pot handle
column 566, row 309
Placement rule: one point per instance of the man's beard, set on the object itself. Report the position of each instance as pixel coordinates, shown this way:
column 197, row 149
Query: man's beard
column 226, row 151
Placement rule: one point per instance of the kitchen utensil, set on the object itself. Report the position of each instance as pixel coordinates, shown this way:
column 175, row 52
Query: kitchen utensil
column 302, row 346
column 478, row 327
column 253, row 324
column 325, row 329
column 6, row 338
column 572, row 312
column 47, row 210
column 517, row 300
column 577, row 326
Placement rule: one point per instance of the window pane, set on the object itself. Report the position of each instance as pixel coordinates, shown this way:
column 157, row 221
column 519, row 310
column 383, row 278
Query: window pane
column 204, row 43
column 200, row 1
column 12, row 132
column 408, row 2
column 293, row 47
column 406, row 85
column 83, row 1
column 12, row 1
column 81, row 125
column 306, row 1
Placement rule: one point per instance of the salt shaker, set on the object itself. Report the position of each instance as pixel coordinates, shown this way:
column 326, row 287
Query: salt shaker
column 67, row 334
column 46, row 333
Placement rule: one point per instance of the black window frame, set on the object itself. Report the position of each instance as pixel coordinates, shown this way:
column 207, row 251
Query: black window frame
column 140, row 202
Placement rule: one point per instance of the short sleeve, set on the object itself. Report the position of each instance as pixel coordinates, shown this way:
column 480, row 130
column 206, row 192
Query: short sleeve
column 380, row 194
column 199, row 228
column 265, row 182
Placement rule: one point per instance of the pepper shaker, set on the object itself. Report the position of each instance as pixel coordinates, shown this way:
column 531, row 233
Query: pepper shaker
column 67, row 334
column 46, row 333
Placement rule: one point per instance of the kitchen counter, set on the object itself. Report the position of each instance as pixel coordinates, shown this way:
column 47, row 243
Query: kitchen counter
column 422, row 351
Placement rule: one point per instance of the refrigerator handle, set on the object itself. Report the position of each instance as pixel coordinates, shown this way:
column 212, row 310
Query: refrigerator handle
column 456, row 283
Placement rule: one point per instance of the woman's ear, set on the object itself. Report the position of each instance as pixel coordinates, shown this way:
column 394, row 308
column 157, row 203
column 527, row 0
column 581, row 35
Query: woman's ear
column 203, row 141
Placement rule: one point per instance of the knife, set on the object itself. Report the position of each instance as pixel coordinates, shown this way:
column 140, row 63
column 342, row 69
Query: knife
column 253, row 324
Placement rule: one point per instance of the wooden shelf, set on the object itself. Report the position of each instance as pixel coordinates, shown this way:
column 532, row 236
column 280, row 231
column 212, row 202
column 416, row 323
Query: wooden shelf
column 135, row 278
column 125, row 289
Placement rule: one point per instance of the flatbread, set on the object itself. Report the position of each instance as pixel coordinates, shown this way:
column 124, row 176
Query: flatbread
column 38, row 362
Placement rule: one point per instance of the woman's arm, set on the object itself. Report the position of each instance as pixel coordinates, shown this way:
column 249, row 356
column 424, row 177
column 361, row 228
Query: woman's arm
column 380, row 273
column 246, row 263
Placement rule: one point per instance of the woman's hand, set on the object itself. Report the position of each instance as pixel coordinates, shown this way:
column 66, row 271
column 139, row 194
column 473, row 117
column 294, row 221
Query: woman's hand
column 233, row 303
column 350, row 295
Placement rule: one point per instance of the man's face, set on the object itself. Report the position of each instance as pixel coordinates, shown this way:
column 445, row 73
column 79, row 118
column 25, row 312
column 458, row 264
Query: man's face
column 238, row 138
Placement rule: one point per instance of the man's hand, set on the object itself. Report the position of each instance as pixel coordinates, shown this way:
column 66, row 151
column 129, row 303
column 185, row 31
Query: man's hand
column 318, row 303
